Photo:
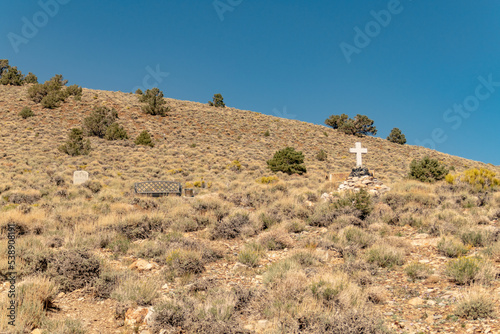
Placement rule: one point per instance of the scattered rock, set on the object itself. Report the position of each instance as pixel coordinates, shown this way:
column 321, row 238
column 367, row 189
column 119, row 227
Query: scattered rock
column 136, row 317
column 143, row 265
column 262, row 324
column 416, row 301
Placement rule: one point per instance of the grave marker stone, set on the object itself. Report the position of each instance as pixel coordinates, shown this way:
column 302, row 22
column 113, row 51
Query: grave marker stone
column 80, row 176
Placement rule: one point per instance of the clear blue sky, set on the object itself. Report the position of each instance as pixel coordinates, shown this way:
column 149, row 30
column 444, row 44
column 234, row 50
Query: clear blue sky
column 285, row 58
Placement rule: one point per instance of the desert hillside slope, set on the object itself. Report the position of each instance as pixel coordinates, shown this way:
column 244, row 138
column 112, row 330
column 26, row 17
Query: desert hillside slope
column 193, row 136
column 253, row 251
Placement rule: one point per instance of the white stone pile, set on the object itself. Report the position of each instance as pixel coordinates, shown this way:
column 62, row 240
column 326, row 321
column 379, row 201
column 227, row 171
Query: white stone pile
column 367, row 182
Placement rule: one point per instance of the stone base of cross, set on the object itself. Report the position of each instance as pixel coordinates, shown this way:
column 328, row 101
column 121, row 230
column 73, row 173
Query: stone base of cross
column 358, row 150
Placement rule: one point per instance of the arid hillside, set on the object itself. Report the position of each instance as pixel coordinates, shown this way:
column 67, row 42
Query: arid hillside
column 252, row 251
column 199, row 139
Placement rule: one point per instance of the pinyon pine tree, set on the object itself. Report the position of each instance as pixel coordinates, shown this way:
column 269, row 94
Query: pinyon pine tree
column 76, row 145
column 218, row 101
column 359, row 126
column 154, row 102
column 396, row 136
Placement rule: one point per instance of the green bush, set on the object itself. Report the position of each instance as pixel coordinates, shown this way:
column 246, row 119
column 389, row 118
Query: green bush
column 250, row 254
column 144, row 139
column 475, row 238
column 74, row 90
column 50, row 94
column 11, row 76
column 359, row 126
column 358, row 200
column 466, row 270
column 99, row 120
column 287, row 161
column 52, row 99
column 218, row 101
column 4, row 65
column 451, row 247
column 76, row 145
column 476, row 304
column 26, row 112
column 385, row 256
column 321, row 156
column 132, row 288
column 115, row 132
column 154, row 102
column 30, row 79
column 396, row 137
column 416, row 270
column 427, row 170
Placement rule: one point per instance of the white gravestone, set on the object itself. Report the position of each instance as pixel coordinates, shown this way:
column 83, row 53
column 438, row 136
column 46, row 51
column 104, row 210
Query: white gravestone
column 80, row 176
column 358, row 150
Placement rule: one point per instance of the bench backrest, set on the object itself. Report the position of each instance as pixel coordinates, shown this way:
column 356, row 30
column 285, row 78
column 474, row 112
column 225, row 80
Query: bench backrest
column 158, row 187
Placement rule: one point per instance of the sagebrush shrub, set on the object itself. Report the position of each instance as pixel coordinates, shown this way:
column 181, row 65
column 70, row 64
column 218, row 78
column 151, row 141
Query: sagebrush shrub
column 26, row 112
column 477, row 303
column 231, row 227
column 74, row 269
column 183, row 262
column 466, row 270
column 321, row 155
column 416, row 270
column 135, row 289
column 427, row 170
column 358, row 200
column 451, row 247
column 287, row 161
column 385, row 256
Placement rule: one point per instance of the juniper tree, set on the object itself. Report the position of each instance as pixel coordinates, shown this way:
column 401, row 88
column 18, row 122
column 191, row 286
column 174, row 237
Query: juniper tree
column 4, row 64
column 144, row 139
column 76, row 145
column 218, row 101
column 30, row 79
column 427, row 170
column 287, row 161
column 154, row 102
column 396, row 136
column 99, row 120
column 359, row 126
column 12, row 76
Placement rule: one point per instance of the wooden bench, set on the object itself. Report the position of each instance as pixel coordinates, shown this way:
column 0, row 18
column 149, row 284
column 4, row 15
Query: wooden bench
column 158, row 188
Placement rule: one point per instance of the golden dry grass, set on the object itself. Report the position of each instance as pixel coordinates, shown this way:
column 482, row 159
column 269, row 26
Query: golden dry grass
column 343, row 256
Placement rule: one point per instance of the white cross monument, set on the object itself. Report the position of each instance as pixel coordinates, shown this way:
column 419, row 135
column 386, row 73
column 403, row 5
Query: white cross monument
column 358, row 150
